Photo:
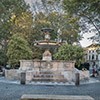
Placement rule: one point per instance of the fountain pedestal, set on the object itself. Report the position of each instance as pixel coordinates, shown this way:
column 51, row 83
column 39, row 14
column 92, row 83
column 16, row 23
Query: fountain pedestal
column 47, row 56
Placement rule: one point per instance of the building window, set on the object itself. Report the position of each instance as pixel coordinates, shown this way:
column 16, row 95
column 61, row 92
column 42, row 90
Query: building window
column 96, row 57
column 92, row 57
column 89, row 57
column 89, row 51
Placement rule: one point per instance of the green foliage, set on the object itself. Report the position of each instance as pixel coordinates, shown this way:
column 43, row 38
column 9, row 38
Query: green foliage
column 7, row 9
column 18, row 49
column 82, row 5
column 67, row 24
column 88, row 10
column 3, row 58
column 70, row 52
column 37, row 53
column 22, row 24
column 10, row 6
column 16, row 23
column 40, row 21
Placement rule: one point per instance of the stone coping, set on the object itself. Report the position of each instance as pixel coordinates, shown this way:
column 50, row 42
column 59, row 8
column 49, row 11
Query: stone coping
column 47, row 61
column 54, row 97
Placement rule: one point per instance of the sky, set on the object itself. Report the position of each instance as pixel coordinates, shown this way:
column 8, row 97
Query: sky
column 84, row 42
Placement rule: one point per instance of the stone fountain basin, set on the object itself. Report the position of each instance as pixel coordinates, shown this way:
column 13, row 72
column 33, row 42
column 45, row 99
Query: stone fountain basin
column 47, row 43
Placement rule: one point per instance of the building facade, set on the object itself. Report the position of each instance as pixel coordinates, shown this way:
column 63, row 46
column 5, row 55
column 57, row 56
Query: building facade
column 92, row 55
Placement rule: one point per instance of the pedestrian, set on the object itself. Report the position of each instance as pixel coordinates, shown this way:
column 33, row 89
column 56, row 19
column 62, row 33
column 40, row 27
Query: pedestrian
column 93, row 72
column 96, row 70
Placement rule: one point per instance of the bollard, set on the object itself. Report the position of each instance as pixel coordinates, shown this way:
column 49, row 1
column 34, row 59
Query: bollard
column 23, row 78
column 77, row 79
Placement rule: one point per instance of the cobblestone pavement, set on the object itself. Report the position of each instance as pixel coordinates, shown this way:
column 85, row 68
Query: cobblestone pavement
column 12, row 91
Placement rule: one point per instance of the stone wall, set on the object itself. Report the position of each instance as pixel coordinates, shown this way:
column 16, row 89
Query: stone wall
column 46, row 65
column 63, row 71
column 12, row 74
column 57, row 69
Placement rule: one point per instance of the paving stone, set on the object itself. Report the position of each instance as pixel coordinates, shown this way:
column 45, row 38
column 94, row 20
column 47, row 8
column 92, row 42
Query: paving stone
column 10, row 90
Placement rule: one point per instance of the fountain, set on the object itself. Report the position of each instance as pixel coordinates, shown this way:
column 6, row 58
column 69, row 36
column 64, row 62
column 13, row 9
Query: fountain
column 46, row 72
column 47, row 44
column 47, row 69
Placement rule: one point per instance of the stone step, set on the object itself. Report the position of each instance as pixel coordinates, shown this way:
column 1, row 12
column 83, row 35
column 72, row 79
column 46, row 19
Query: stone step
column 43, row 75
column 49, row 77
column 54, row 97
column 43, row 80
column 48, row 80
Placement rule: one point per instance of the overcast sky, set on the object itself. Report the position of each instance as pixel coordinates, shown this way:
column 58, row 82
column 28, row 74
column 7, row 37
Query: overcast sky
column 85, row 41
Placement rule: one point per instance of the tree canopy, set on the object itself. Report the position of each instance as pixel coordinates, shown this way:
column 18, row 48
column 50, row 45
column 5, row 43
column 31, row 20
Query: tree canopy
column 67, row 25
column 18, row 49
column 8, row 10
column 19, row 24
column 87, row 10
column 70, row 52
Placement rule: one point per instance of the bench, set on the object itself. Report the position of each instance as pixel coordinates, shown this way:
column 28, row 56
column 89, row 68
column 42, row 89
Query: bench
column 54, row 97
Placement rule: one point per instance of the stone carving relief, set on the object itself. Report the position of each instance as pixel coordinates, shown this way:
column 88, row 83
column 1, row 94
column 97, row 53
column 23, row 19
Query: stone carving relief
column 46, row 66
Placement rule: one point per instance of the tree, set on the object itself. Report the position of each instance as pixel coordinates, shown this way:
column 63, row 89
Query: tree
column 68, row 26
column 2, row 57
column 7, row 9
column 87, row 10
column 18, row 49
column 22, row 24
column 47, row 6
column 70, row 52
column 37, row 53
column 40, row 21
column 51, row 12
column 51, row 15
